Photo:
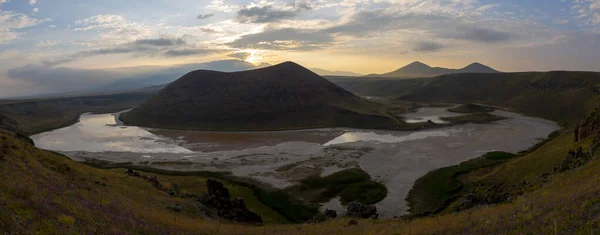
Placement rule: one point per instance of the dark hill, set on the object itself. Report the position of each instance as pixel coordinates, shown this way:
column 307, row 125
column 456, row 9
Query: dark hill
column 420, row 70
column 564, row 96
column 284, row 96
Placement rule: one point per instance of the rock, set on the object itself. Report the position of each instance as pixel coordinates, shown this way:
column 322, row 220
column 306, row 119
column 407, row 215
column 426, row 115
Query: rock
column 154, row 181
column 468, row 201
column 136, row 174
column 8, row 124
column 330, row 214
column 322, row 217
column 217, row 198
column 129, row 171
column 318, row 218
column 573, row 160
column 357, row 209
column 352, row 223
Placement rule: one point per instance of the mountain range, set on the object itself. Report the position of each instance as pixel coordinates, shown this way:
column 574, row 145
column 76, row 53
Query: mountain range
column 417, row 69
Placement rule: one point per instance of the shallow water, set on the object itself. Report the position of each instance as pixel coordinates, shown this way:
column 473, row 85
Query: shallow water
column 395, row 158
column 100, row 133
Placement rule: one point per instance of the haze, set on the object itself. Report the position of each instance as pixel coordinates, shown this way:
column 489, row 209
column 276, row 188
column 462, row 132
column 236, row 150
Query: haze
column 64, row 46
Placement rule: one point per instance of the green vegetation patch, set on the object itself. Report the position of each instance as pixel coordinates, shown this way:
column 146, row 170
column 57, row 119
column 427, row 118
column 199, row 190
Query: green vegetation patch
column 432, row 192
column 286, row 205
column 471, row 108
column 477, row 118
column 350, row 185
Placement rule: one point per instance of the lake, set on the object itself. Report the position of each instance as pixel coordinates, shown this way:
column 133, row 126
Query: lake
column 395, row 158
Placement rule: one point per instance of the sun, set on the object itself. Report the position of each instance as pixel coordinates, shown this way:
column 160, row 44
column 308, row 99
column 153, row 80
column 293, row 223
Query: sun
column 255, row 56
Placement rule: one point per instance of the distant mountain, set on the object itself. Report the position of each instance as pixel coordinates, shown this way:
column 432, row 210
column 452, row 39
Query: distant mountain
column 417, row 69
column 284, row 96
column 162, row 76
column 324, row 72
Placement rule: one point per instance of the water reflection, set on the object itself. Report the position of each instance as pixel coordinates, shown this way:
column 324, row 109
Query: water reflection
column 350, row 137
column 99, row 133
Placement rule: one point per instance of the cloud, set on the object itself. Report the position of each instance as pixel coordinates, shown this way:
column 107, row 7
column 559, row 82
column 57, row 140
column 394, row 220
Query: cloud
column 36, row 10
column 284, row 39
column 48, row 79
column 11, row 22
column 205, row 16
column 115, row 28
column 240, row 55
column 160, row 42
column 268, row 14
column 476, row 34
column 187, row 52
column 32, row 2
column 148, row 47
column 427, row 46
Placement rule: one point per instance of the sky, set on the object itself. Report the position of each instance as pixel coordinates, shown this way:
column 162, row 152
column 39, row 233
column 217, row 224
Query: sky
column 64, row 45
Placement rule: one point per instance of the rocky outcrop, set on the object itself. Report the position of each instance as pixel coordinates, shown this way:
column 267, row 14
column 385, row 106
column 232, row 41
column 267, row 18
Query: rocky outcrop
column 574, row 160
column 330, row 214
column 215, row 203
column 357, row 209
column 8, row 124
column 589, row 126
column 217, row 198
column 324, row 216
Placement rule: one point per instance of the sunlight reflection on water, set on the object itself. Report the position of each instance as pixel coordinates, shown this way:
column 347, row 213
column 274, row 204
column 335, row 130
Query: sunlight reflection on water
column 99, row 133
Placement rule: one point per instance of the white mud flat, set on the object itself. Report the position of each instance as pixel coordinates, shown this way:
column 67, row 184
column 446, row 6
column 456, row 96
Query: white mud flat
column 394, row 158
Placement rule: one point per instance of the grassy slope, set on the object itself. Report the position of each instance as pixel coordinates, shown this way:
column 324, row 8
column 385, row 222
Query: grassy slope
column 434, row 191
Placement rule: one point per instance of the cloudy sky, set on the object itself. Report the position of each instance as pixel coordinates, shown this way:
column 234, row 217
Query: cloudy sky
column 46, row 45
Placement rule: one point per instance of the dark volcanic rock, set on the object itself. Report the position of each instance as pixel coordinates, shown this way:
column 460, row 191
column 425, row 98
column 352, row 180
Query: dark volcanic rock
column 217, row 198
column 589, row 126
column 357, row 209
column 322, row 217
column 575, row 159
column 330, row 214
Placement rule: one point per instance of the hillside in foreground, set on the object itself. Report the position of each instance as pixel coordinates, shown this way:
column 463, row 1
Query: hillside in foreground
column 280, row 97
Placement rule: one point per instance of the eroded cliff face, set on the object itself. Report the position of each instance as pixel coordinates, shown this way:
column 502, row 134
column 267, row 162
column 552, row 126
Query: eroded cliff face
column 8, row 124
column 589, row 126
